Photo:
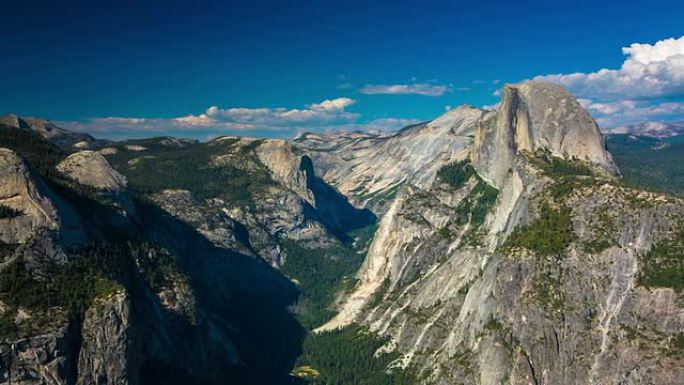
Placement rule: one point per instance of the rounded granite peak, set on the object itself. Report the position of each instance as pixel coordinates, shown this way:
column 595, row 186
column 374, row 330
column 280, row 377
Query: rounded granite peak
column 537, row 115
column 559, row 123
column 92, row 169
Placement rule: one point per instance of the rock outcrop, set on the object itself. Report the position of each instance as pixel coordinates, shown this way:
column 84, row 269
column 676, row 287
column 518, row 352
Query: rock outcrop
column 42, row 359
column 294, row 205
column 370, row 168
column 24, row 194
column 91, row 169
column 106, row 355
column 537, row 115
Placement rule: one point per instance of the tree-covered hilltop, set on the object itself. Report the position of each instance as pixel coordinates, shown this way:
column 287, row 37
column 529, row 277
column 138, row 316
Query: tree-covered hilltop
column 650, row 163
column 41, row 154
column 219, row 168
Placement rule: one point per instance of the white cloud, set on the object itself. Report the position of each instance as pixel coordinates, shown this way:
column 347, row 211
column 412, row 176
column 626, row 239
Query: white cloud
column 627, row 111
column 647, row 86
column 425, row 89
column 649, row 71
column 330, row 114
column 327, row 111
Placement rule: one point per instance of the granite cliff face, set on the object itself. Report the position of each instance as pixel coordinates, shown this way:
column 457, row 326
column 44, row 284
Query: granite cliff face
column 537, row 115
column 370, row 168
column 533, row 265
column 106, row 354
column 19, row 192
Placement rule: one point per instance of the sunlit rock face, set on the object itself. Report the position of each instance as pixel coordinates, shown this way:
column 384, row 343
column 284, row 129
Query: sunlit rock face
column 20, row 192
column 91, row 169
column 465, row 303
column 371, row 168
column 537, row 115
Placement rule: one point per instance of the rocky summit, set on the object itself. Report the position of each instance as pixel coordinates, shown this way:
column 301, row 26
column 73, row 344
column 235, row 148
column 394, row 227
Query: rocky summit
column 488, row 246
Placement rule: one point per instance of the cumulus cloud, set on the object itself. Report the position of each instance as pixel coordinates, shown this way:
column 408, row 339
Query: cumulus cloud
column 648, row 86
column 627, row 112
column 327, row 111
column 329, row 114
column 649, row 71
column 425, row 89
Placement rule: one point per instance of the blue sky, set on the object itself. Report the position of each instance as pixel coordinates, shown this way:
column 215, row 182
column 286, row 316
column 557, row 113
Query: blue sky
column 273, row 68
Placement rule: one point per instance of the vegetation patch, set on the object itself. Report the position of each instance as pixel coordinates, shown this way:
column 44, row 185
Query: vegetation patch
column 676, row 345
column 348, row 357
column 476, row 205
column 554, row 166
column 8, row 212
column 71, row 288
column 597, row 245
column 567, row 175
column 602, row 234
column 464, row 360
column 473, row 209
column 506, row 337
column 548, row 235
column 193, row 168
column 663, row 265
column 547, row 285
column 457, row 173
column 379, row 294
column 6, row 250
column 41, row 154
column 649, row 163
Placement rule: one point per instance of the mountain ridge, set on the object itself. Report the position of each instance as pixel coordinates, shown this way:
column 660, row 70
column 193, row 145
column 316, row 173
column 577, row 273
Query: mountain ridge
column 653, row 129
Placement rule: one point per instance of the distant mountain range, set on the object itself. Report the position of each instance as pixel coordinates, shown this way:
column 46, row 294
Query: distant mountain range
column 650, row 129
